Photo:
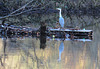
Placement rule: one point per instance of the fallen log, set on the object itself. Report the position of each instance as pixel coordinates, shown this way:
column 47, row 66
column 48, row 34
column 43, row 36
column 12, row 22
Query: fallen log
column 74, row 32
column 7, row 29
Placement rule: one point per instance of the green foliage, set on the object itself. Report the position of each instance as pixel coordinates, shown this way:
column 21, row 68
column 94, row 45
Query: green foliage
column 35, row 19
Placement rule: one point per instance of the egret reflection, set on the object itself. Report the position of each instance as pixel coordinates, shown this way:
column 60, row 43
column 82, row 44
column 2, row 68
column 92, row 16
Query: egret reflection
column 61, row 49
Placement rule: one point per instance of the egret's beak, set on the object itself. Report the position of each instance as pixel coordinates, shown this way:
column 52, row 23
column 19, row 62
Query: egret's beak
column 57, row 8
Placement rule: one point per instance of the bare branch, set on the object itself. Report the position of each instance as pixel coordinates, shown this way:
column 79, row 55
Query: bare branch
column 22, row 7
column 15, row 14
column 12, row 14
column 17, row 10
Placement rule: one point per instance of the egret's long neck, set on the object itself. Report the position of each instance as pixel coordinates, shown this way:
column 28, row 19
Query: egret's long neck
column 60, row 13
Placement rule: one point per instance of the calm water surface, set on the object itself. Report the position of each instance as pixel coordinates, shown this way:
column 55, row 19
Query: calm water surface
column 28, row 53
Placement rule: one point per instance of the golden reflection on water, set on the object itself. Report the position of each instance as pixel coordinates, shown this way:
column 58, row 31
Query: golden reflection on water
column 26, row 54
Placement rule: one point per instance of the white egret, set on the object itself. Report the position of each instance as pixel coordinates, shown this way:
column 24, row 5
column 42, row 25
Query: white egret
column 61, row 19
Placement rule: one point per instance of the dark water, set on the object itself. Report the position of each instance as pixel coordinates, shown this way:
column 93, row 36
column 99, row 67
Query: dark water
column 28, row 53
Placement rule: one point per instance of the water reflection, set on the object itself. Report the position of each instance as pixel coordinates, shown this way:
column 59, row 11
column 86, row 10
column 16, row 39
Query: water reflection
column 42, row 41
column 28, row 54
column 61, row 49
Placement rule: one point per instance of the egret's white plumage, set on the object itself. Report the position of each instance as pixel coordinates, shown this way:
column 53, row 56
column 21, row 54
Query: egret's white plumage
column 61, row 19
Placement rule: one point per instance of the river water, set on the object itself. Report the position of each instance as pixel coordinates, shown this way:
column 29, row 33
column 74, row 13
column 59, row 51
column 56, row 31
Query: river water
column 28, row 53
